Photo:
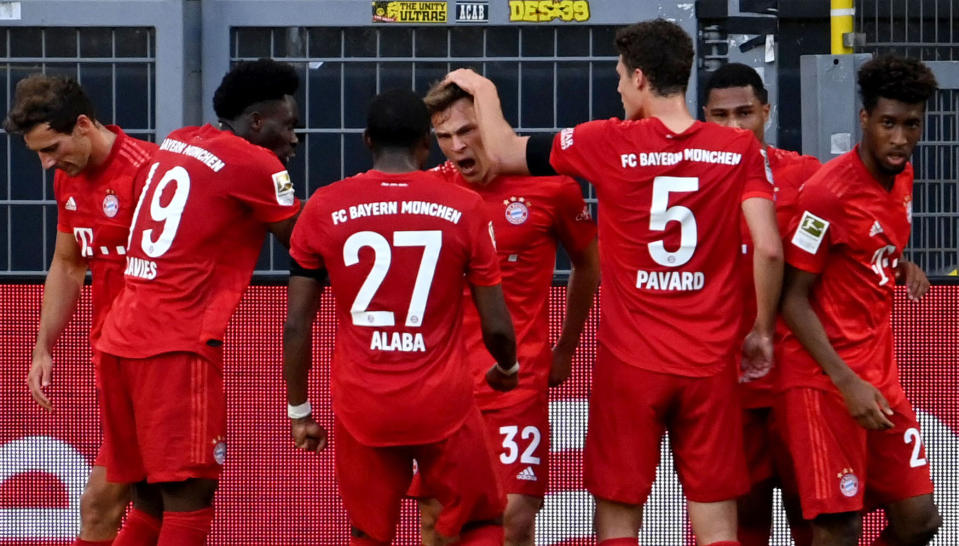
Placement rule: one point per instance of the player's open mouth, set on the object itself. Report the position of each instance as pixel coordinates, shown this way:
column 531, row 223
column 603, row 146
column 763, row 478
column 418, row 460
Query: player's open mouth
column 466, row 164
column 896, row 159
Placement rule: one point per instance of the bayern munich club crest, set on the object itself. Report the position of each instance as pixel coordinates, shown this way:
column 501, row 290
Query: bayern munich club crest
column 111, row 205
column 848, row 483
column 517, row 210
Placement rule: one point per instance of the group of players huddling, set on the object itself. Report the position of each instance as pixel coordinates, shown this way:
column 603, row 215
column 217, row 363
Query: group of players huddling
column 440, row 280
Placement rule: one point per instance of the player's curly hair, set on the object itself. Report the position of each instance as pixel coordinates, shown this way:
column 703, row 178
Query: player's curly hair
column 252, row 82
column 56, row 100
column 737, row 75
column 662, row 50
column 397, row 119
column 441, row 96
column 894, row 77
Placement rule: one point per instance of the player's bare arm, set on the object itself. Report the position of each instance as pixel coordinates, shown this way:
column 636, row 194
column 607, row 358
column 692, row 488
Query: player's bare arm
column 760, row 216
column 505, row 149
column 284, row 228
column 914, row 278
column 865, row 403
column 61, row 292
column 583, row 280
column 498, row 336
column 303, row 299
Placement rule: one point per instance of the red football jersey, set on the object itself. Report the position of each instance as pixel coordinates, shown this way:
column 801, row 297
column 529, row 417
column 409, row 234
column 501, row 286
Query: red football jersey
column 530, row 215
column 788, row 170
column 196, row 234
column 399, row 250
column 96, row 207
column 851, row 231
column 669, row 236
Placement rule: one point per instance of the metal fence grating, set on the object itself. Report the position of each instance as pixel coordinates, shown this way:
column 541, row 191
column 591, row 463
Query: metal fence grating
column 116, row 66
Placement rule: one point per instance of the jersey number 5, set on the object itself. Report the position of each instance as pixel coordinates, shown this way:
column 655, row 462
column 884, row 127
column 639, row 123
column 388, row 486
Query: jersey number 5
column 431, row 241
column 660, row 214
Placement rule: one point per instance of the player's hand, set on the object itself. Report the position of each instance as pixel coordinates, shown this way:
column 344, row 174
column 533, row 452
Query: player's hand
column 500, row 381
column 757, row 355
column 307, row 434
column 866, row 404
column 468, row 80
column 561, row 367
column 910, row 274
column 39, row 378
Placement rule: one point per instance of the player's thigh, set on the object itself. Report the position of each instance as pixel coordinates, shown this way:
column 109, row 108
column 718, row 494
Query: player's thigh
column 519, row 437
column 119, row 451
column 898, row 465
column 626, row 426
column 460, row 473
column 100, row 493
column 372, row 482
column 757, row 443
column 706, row 435
column 828, row 450
column 180, row 412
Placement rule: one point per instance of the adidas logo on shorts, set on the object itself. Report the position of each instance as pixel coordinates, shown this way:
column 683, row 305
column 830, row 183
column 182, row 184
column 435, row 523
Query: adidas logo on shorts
column 527, row 474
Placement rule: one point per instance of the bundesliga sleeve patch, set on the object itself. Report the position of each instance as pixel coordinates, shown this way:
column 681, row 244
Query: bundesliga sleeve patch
column 810, row 233
column 284, row 188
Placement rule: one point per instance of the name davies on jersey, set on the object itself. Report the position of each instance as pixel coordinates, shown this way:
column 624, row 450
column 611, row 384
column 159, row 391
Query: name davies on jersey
column 379, row 208
column 697, row 155
column 397, row 341
column 140, row 268
column 676, row 281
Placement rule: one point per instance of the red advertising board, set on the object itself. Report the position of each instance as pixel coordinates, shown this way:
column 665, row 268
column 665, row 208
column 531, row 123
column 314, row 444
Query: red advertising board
column 272, row 494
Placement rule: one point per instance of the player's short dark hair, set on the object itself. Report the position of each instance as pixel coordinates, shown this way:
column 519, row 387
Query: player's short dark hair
column 56, row 100
column 441, row 96
column 898, row 78
column 662, row 50
column 737, row 75
column 253, row 82
column 397, row 119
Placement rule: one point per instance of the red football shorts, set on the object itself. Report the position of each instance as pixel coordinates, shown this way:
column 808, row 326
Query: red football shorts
column 100, row 459
column 629, row 410
column 164, row 417
column 842, row 467
column 458, row 471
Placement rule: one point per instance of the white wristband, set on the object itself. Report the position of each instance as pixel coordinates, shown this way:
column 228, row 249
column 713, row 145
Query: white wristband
column 512, row 371
column 300, row 411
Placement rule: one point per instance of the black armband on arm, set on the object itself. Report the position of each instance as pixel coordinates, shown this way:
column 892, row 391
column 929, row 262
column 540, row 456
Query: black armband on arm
column 297, row 270
column 538, row 148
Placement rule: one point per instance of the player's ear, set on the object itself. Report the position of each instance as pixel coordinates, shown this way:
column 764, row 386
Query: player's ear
column 863, row 118
column 83, row 124
column 367, row 140
column 256, row 121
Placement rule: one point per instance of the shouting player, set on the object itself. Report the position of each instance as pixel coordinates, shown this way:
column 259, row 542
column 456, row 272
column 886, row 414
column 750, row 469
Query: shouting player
column 853, row 436
column 667, row 186
column 209, row 199
column 94, row 186
column 399, row 246
column 530, row 216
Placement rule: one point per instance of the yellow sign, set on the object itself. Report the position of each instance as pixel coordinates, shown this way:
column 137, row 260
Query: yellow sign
column 409, row 12
column 544, row 11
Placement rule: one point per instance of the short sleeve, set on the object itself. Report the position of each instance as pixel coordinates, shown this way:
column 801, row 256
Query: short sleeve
column 814, row 230
column 63, row 225
column 307, row 236
column 758, row 176
column 265, row 186
column 483, row 267
column 575, row 228
column 576, row 150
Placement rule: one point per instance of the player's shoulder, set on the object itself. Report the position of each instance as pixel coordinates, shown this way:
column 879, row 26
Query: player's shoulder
column 727, row 138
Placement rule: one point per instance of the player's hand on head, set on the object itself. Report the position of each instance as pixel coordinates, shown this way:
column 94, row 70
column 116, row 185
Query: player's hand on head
column 866, row 404
column 39, row 378
column 911, row 275
column 308, row 435
column 757, row 357
column 561, row 367
column 501, row 381
column 467, row 79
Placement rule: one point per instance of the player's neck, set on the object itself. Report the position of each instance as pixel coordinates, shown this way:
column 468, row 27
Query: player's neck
column 671, row 110
column 868, row 161
column 392, row 161
column 101, row 143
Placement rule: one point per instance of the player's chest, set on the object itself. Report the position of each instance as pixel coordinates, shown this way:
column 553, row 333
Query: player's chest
column 877, row 234
column 521, row 220
column 99, row 215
